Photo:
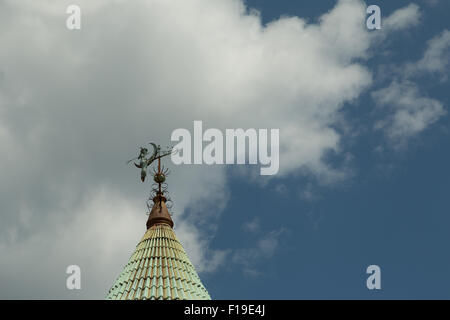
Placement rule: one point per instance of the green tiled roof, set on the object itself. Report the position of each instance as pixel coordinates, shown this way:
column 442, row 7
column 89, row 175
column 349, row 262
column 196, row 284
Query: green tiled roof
column 159, row 269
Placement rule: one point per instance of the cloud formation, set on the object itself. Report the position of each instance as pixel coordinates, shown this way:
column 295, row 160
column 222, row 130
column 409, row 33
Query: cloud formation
column 264, row 248
column 403, row 18
column 410, row 110
column 436, row 57
column 75, row 105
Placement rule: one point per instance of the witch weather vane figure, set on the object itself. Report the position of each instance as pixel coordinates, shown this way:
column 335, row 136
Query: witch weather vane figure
column 145, row 160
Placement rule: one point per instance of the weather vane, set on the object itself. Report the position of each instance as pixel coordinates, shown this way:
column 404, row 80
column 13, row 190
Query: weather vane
column 145, row 160
column 159, row 191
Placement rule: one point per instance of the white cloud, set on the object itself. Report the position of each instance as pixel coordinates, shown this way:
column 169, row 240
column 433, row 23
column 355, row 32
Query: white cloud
column 74, row 105
column 100, row 236
column 436, row 57
column 264, row 248
column 196, row 244
column 402, row 18
column 252, row 226
column 410, row 111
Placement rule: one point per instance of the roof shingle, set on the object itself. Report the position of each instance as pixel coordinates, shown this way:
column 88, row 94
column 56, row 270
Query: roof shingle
column 158, row 269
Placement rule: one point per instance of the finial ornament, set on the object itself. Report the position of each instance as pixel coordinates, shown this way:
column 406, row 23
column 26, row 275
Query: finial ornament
column 158, row 195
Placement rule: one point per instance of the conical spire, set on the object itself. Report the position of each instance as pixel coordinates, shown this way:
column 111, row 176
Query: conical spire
column 159, row 268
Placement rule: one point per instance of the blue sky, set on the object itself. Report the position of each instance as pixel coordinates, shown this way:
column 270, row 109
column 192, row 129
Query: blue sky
column 393, row 212
column 364, row 130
